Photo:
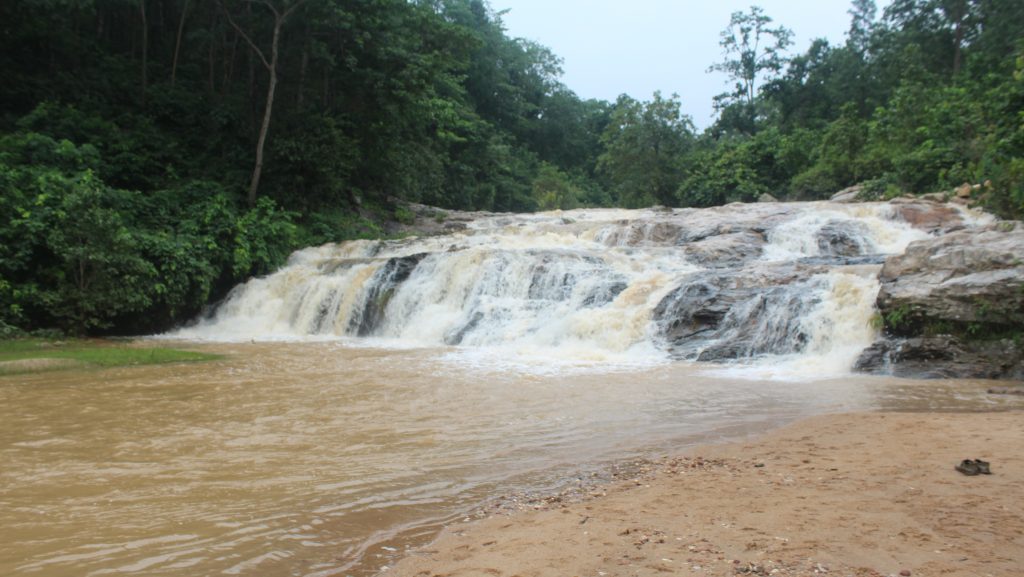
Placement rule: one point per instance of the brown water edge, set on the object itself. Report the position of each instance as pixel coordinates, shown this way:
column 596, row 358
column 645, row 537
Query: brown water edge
column 314, row 458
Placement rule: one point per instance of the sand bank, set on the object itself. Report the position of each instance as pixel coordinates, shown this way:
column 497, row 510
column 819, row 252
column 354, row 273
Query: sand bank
column 857, row 494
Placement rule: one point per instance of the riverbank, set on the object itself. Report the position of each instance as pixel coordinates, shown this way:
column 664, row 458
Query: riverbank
column 20, row 356
column 856, row 494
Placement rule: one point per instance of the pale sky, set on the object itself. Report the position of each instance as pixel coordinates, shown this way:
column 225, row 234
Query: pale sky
column 611, row 47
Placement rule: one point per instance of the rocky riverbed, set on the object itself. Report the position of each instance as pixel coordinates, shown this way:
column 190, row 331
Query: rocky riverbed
column 952, row 305
column 913, row 287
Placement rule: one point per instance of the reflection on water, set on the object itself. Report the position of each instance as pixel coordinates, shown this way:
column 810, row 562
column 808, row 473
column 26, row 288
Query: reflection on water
column 295, row 458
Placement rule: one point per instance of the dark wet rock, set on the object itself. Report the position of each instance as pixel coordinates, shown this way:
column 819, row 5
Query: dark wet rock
column 842, row 238
column 833, row 261
column 604, row 294
column 723, row 315
column 456, row 336
column 556, row 273
column 942, row 357
column 381, row 288
column 1019, row 390
column 326, row 311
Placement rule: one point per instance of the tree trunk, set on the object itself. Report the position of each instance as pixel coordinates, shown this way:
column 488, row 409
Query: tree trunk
column 177, row 43
column 271, row 66
column 229, row 66
column 211, row 67
column 145, row 49
column 303, row 66
column 267, row 111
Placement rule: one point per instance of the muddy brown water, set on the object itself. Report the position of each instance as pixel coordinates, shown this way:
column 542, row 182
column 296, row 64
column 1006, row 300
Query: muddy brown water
column 315, row 459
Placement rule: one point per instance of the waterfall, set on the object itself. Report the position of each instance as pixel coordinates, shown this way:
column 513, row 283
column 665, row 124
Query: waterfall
column 740, row 283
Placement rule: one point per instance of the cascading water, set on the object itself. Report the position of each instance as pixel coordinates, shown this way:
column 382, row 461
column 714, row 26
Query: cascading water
column 787, row 282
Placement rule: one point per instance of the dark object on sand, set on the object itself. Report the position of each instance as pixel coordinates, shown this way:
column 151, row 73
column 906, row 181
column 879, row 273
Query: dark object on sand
column 971, row 467
column 1006, row 391
column 968, row 467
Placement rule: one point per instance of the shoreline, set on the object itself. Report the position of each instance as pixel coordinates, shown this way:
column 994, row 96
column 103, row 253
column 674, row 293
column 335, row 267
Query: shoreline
column 860, row 494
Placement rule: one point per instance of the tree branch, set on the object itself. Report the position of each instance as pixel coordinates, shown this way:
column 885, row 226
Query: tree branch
column 292, row 8
column 248, row 40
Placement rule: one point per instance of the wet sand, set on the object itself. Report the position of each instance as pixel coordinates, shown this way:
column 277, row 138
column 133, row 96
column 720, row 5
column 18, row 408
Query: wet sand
column 854, row 494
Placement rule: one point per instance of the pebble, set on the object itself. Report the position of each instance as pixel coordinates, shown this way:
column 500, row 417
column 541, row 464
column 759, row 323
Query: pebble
column 905, row 573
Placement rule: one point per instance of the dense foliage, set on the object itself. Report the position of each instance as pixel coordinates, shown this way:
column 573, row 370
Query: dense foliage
column 155, row 152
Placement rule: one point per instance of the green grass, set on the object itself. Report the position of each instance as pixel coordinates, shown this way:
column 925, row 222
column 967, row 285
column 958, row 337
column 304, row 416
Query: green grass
column 79, row 354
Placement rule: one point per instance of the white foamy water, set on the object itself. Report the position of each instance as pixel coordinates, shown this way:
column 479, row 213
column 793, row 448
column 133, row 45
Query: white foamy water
column 788, row 286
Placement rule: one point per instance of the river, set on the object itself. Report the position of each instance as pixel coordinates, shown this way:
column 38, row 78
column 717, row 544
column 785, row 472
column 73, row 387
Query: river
column 310, row 458
column 373, row 391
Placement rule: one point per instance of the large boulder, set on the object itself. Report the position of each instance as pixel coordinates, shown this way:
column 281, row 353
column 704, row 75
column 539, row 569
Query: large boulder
column 722, row 314
column 943, row 357
column 953, row 306
column 850, row 194
column 970, row 276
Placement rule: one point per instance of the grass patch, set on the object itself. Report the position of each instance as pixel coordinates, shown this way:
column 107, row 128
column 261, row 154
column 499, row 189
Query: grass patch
column 19, row 356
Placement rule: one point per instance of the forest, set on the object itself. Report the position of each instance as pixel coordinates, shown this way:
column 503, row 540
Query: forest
column 154, row 153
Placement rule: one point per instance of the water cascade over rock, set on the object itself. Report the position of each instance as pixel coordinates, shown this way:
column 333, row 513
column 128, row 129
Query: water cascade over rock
column 760, row 282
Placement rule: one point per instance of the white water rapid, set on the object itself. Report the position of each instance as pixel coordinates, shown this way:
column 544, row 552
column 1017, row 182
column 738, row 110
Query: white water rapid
column 782, row 285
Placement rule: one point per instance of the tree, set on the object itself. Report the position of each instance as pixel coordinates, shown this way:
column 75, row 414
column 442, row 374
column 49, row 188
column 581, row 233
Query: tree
column 751, row 50
column 280, row 17
column 862, row 21
column 553, row 190
column 644, row 144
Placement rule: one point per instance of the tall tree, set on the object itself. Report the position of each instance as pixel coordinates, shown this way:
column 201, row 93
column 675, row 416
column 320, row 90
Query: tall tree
column 145, row 50
column 280, row 17
column 177, row 42
column 644, row 144
column 862, row 20
column 752, row 50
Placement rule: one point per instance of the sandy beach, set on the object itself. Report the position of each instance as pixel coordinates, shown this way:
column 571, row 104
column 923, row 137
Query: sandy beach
column 855, row 494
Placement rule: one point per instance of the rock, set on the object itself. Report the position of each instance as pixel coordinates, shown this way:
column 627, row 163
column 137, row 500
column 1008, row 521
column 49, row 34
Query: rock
column 963, row 277
column 644, row 233
column 928, row 215
column 726, row 250
column 767, row 198
column 382, row 287
column 946, row 356
column 721, row 315
column 964, row 190
column 1006, row 391
column 935, row 196
column 952, row 306
column 942, row 357
column 842, row 238
column 848, row 194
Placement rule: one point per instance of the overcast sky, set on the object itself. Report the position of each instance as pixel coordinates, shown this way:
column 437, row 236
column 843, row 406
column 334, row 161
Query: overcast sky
column 611, row 47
